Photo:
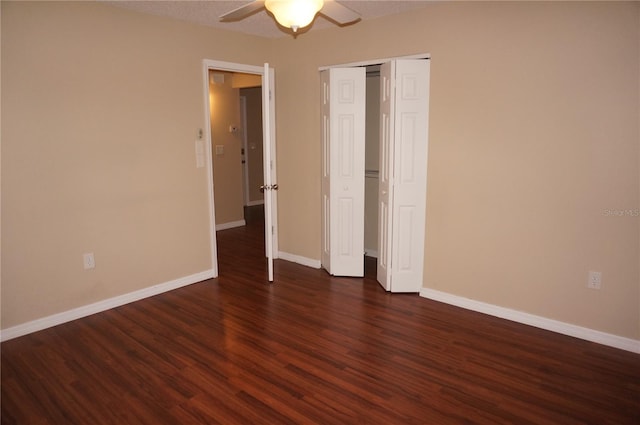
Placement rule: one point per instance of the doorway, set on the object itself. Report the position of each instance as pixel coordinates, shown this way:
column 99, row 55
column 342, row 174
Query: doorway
column 224, row 150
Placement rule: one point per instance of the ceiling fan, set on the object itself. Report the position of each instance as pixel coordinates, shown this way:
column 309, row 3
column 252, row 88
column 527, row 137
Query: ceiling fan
column 295, row 14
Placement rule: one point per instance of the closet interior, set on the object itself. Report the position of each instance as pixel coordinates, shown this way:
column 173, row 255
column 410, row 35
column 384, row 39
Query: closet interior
column 372, row 160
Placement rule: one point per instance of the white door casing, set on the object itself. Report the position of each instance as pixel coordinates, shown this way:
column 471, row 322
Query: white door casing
column 325, row 258
column 403, row 173
column 343, row 144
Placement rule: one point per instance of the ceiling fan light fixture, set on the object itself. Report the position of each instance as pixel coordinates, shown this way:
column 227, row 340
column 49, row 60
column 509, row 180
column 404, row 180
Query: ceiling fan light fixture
column 294, row 14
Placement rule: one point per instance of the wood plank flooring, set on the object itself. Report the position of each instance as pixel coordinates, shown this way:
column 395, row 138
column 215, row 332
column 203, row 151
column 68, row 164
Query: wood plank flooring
column 310, row 349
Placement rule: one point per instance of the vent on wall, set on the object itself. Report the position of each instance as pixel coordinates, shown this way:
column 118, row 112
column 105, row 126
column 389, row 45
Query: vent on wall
column 218, row 78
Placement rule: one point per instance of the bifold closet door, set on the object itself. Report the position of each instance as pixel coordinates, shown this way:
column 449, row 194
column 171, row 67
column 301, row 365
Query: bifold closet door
column 343, row 144
column 404, row 129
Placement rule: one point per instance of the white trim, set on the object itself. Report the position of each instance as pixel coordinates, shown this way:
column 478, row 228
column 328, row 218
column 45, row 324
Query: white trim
column 213, row 243
column 230, row 225
column 87, row 310
column 254, row 203
column 371, row 253
column 592, row 335
column 376, row 61
column 232, row 67
column 299, row 259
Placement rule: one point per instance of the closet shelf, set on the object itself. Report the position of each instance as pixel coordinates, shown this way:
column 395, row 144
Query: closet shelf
column 371, row 174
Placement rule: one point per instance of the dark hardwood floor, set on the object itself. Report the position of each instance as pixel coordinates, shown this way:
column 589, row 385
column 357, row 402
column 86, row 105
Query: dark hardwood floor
column 309, row 349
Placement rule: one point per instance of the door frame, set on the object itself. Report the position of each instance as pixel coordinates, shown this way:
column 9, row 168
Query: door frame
column 375, row 61
column 216, row 65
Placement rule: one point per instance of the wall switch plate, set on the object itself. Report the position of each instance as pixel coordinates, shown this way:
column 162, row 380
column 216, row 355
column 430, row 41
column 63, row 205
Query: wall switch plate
column 88, row 261
column 200, row 153
column 594, row 281
column 218, row 78
column 219, row 149
column 200, row 146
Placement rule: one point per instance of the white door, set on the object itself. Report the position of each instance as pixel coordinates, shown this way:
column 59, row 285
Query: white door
column 385, row 175
column 343, row 142
column 404, row 127
column 270, row 185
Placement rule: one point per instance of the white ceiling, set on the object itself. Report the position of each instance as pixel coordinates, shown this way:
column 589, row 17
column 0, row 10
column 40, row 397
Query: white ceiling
column 261, row 24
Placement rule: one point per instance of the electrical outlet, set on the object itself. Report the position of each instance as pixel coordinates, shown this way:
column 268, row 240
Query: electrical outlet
column 88, row 261
column 594, row 280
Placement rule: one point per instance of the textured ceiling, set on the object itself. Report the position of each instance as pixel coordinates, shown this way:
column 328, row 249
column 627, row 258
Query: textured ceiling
column 260, row 23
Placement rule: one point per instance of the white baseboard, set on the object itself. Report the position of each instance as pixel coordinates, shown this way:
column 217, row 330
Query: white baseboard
column 592, row 335
column 371, row 253
column 87, row 310
column 300, row 260
column 230, row 225
column 254, row 203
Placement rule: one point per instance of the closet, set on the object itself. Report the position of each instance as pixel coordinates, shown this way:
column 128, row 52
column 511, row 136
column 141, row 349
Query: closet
column 371, row 160
column 354, row 189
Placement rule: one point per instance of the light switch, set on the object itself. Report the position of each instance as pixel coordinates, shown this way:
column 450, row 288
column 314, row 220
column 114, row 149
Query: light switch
column 199, row 153
column 219, row 149
column 199, row 147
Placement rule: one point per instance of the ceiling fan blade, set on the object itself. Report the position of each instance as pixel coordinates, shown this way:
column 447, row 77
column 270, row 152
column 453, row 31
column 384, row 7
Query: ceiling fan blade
column 339, row 13
column 243, row 11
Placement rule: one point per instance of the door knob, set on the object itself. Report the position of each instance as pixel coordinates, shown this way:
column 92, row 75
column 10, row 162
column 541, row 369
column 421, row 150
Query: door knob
column 262, row 188
column 274, row 187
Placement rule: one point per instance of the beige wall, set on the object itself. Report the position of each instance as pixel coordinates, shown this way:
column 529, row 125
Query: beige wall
column 100, row 109
column 533, row 136
column 254, row 142
column 227, row 165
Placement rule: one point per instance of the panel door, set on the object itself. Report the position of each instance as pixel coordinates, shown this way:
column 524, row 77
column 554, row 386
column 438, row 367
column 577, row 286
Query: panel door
column 269, row 179
column 402, row 220
column 343, row 143
column 387, row 74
